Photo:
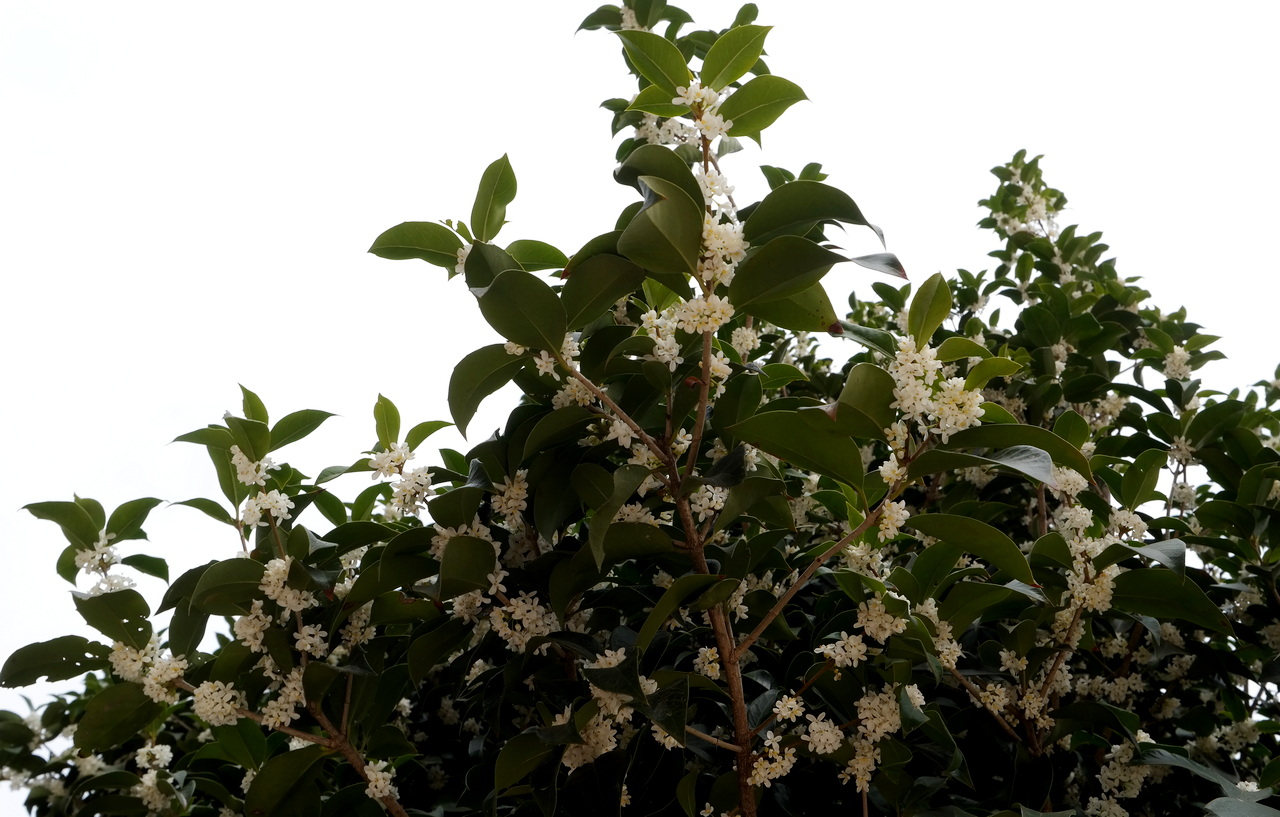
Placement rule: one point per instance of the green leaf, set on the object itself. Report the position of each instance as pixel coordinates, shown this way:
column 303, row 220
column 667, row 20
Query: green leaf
column 596, row 285
column 603, row 16
column 732, row 55
column 518, row 757
column 978, row 538
column 209, row 508
column 659, row 161
column 151, row 565
column 465, row 566
column 885, row 262
column 55, row 660
column 431, row 242
column 625, row 482
column 784, row 267
column 672, row 599
column 1140, row 477
column 816, row 444
column 657, row 59
column 758, row 104
column 431, row 648
column 523, row 309
column 666, row 234
column 422, row 431
column 657, row 101
column 1072, row 427
column 476, row 376
column 228, row 588
column 1024, row 459
column 295, row 426
column 253, row 437
column 1165, row 594
column 796, row 207
column 116, row 714
column 74, row 520
column 876, row 339
column 957, row 347
column 285, row 784
column 253, row 407
column 497, row 190
column 387, row 419
column 556, row 428
column 807, row 311
column 777, row 375
column 1004, row 436
column 866, row 400
column 536, row 255
column 126, row 521
column 982, row 372
column 929, row 308
column 122, row 615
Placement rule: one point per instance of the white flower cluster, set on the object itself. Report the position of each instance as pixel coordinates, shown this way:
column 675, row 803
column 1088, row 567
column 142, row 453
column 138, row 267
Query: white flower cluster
column 216, row 703
column 410, row 493
column 847, row 652
column 705, row 103
column 1177, row 364
column 948, row 649
column 1119, row 779
column 523, row 619
column 249, row 472
column 774, row 762
column 477, row 529
column 788, row 708
column 267, row 503
column 147, row 789
column 862, row 766
column 391, row 462
column 510, row 498
column 282, row 710
column 572, row 393
column 876, row 621
column 892, row 517
column 97, row 563
column 945, row 406
column 703, row 314
column 275, row 585
column 379, row 778
column 744, row 340
column 708, row 662
column 153, row 756
column 148, row 667
column 707, row 501
column 822, row 735
column 657, row 131
column 722, row 243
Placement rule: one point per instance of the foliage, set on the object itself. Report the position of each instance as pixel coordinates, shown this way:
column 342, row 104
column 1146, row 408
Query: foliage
column 987, row 564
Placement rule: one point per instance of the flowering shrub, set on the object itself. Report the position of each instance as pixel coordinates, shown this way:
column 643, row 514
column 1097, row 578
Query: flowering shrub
column 704, row 570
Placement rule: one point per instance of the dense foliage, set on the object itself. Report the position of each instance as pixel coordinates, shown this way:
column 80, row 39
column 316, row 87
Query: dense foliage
column 997, row 559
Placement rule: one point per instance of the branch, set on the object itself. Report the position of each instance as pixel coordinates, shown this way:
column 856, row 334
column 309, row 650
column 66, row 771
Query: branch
column 704, row 391
column 620, row 414
column 977, row 696
column 716, row 741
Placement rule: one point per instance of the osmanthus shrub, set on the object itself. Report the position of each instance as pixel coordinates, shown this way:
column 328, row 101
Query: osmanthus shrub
column 998, row 561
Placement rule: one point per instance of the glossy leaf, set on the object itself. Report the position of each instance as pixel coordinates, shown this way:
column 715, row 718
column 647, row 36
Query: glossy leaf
column 497, row 190
column 523, row 309
column 116, row 714
column 534, row 255
column 655, row 100
column 758, row 104
column 1024, row 459
column 625, row 482
column 477, row 376
column 787, row 435
column 867, row 396
column 74, row 520
column 666, row 234
column 122, row 615
column 976, row 537
column 662, row 162
column 1165, row 594
column 431, row 242
column 229, row 588
column 982, row 372
column 929, row 308
column 794, row 208
column 386, row 419
column 518, row 757
column 784, row 267
column 1004, row 436
column 422, row 431
column 885, row 262
column 1141, row 476
column 957, row 347
column 596, row 285
column 285, row 783
column 732, row 55
column 807, row 311
column 672, row 599
column 465, row 566
column 295, row 426
column 55, row 660
column 657, row 59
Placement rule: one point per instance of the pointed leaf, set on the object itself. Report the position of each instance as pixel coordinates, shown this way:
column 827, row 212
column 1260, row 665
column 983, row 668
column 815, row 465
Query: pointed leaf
column 523, row 309
column 662, row 162
column 672, row 598
column 116, row 714
column 976, row 537
column 596, row 285
column 497, row 190
column 657, row 101
column 228, row 588
column 1024, row 459
column 929, row 308
column 1006, row 435
column 958, row 347
column 434, row 243
column 55, row 660
column 795, row 207
column 465, row 566
column 386, row 418
column 787, row 435
column 885, row 262
column 758, row 104
column 657, row 59
column 422, row 431
column 732, row 55
column 122, row 615
column 625, row 482
column 809, row 310
column 1164, row 594
column 253, row 407
column 784, row 267
column 666, row 234
column 476, row 376
column 285, row 783
column 126, row 520
column 518, row 757
column 982, row 372
column 868, row 395
column 536, row 255
column 295, row 426
column 74, row 520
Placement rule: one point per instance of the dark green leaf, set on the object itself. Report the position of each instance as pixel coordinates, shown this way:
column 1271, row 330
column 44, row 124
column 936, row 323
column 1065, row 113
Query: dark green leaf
column 151, row 565
column 74, row 520
column 982, row 372
column 806, row 311
column 253, row 407
column 929, row 308
column 122, row 615
column 518, row 757
column 497, row 190
column 732, row 55
column 957, row 347
column 476, row 376
column 116, row 714
column 625, row 482
column 465, row 566
column 784, row 267
column 431, row 242
column 1165, row 594
column 284, row 786
column 229, row 588
column 596, row 285
column 1023, row 459
column 295, row 426
column 978, row 538
column 794, row 208
column 1004, row 436
column 536, row 255
column 387, row 419
column 55, row 660
column 523, row 309
column 672, row 598
column 666, row 234
column 758, row 104
column 814, row 444
column 657, row 59
column 655, row 100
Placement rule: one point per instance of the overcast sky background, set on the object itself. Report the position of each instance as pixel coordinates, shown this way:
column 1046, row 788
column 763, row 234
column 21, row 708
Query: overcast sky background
column 187, row 192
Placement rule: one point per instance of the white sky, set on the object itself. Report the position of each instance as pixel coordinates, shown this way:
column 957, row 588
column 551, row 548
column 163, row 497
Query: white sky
column 187, row 192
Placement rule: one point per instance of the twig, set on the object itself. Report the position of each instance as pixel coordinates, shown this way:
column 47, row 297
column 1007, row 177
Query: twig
column 704, row 736
column 977, row 696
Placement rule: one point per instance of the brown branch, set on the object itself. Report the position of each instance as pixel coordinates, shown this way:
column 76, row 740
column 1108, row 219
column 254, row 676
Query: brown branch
column 716, row 741
column 328, row 743
column 977, row 696
column 619, row 413
column 825, row 667
column 700, row 417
